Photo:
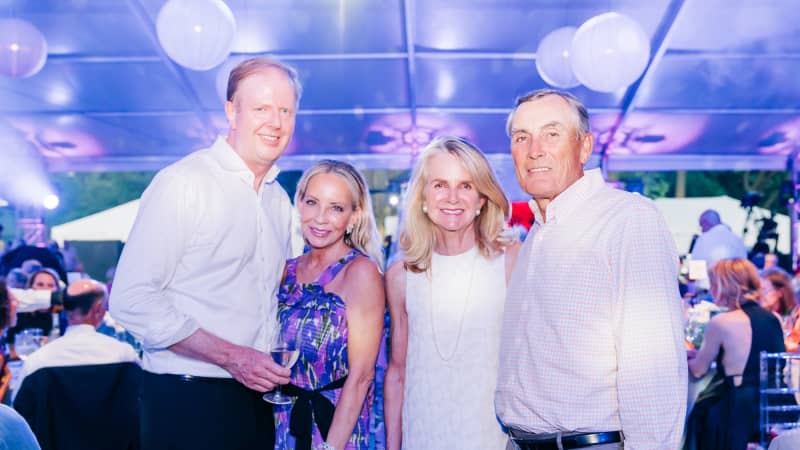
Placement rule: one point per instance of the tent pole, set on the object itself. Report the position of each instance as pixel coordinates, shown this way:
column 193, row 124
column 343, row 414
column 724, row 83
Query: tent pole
column 792, row 208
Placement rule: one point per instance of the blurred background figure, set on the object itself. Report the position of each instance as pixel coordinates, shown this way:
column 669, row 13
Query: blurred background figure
column 726, row 414
column 14, row 431
column 777, row 296
column 85, row 303
column 770, row 261
column 81, row 390
column 717, row 241
column 43, row 279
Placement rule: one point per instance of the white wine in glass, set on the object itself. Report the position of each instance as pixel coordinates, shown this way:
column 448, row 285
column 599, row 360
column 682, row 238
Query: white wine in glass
column 27, row 341
column 284, row 353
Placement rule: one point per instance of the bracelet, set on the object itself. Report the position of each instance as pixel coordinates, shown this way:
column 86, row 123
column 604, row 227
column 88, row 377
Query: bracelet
column 325, row 446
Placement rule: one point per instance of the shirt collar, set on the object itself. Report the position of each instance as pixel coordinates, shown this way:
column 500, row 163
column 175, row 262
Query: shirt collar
column 81, row 328
column 717, row 227
column 572, row 197
column 229, row 160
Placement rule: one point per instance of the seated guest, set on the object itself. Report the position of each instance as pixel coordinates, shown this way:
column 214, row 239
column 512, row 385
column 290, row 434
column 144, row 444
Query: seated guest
column 81, row 390
column 42, row 279
column 777, row 296
column 85, row 304
column 14, row 431
column 726, row 414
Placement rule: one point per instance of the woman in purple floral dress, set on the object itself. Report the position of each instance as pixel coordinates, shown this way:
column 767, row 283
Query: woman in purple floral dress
column 332, row 303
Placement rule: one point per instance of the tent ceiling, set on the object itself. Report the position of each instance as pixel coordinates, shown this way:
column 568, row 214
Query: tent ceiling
column 722, row 91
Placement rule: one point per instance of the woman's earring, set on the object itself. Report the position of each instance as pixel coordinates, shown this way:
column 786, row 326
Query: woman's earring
column 348, row 230
column 425, row 209
column 477, row 212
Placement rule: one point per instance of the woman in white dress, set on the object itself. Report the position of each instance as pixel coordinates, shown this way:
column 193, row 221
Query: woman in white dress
column 446, row 300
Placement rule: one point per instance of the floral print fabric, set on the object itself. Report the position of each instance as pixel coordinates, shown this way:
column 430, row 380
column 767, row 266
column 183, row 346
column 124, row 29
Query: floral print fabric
column 318, row 318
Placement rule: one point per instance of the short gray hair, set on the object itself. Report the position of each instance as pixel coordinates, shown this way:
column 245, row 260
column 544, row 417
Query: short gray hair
column 581, row 113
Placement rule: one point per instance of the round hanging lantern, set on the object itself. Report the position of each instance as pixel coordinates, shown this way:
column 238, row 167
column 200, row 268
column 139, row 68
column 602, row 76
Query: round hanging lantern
column 23, row 49
column 197, row 34
column 609, row 52
column 553, row 58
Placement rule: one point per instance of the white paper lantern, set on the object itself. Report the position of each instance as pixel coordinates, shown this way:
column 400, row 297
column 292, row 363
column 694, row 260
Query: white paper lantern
column 197, row 34
column 553, row 58
column 609, row 52
column 23, row 49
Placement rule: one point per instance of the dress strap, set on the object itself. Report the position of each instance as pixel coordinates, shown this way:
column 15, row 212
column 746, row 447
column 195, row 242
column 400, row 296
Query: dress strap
column 291, row 271
column 331, row 271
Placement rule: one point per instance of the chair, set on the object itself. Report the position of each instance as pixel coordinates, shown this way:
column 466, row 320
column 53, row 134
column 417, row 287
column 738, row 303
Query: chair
column 779, row 389
column 83, row 407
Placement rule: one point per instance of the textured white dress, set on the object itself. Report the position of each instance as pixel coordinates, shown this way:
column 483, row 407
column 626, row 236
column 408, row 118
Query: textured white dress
column 453, row 353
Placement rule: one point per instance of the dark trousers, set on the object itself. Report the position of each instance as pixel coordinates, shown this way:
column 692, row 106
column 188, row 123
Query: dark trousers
column 177, row 414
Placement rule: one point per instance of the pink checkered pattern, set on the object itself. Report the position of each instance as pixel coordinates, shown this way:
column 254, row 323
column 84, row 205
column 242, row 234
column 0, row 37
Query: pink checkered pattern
column 592, row 334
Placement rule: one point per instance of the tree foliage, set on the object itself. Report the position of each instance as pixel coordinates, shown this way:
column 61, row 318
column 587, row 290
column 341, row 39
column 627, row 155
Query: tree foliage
column 773, row 186
column 82, row 194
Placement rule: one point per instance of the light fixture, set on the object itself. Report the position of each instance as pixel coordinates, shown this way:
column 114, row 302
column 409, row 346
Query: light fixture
column 23, row 48
column 609, row 52
column 197, row 34
column 50, row 201
column 553, row 58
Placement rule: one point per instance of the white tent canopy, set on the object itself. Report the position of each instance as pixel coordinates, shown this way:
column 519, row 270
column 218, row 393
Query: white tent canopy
column 113, row 224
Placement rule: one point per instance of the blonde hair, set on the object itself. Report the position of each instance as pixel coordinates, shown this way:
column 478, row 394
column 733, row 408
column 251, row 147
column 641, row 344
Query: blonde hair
column 364, row 235
column 735, row 280
column 417, row 237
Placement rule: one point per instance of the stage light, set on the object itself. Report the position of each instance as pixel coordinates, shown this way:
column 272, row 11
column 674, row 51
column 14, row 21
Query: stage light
column 394, row 200
column 50, row 201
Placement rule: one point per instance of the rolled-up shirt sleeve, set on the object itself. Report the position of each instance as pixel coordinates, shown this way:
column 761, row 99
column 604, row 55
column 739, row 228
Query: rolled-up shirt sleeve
column 140, row 298
column 652, row 372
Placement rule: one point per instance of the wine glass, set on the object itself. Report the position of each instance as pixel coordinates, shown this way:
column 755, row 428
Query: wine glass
column 27, row 341
column 284, row 352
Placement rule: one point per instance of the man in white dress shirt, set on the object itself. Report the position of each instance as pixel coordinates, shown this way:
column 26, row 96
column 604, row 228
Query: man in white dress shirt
column 717, row 241
column 592, row 332
column 198, row 278
column 81, row 345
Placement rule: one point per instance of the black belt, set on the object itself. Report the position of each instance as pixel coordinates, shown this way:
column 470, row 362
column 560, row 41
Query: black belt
column 549, row 441
column 301, row 416
column 195, row 379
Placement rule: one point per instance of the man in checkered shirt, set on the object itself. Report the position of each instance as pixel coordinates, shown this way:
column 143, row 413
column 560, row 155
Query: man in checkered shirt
column 593, row 352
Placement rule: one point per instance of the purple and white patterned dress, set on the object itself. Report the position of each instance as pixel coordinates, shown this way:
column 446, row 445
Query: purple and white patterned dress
column 319, row 318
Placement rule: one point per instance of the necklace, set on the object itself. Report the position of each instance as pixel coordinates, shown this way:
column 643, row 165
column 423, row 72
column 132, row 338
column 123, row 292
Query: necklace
column 463, row 311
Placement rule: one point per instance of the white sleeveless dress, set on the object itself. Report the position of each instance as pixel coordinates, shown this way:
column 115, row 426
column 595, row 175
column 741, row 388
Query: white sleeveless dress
column 451, row 374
